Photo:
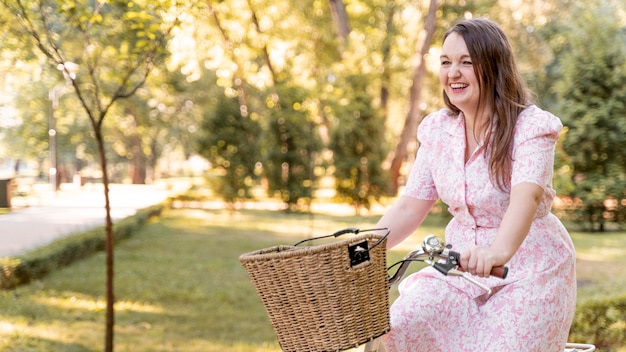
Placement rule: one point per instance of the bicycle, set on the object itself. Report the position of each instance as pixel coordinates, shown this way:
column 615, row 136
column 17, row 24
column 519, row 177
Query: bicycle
column 437, row 254
column 335, row 297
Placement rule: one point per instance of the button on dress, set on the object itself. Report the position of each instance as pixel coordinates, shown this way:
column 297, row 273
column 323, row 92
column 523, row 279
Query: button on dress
column 532, row 309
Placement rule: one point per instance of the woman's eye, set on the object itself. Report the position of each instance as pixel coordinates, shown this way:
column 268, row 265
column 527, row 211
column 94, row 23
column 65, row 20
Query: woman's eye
column 445, row 62
column 467, row 62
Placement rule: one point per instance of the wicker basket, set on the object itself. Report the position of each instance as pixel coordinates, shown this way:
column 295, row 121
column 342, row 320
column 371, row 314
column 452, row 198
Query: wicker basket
column 324, row 298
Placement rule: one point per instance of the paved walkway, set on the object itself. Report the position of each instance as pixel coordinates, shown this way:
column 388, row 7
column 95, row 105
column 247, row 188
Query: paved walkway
column 39, row 220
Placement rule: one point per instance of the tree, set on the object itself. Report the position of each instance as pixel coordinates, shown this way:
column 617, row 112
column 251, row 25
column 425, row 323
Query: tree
column 592, row 104
column 106, row 51
column 161, row 118
column 283, row 100
column 289, row 145
column 340, row 18
column 358, row 147
column 413, row 114
column 230, row 141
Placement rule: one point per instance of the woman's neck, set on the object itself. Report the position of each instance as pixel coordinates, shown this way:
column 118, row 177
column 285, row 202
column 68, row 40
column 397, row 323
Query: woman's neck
column 475, row 125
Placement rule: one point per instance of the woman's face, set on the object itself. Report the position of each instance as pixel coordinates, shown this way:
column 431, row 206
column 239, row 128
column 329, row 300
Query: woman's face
column 457, row 74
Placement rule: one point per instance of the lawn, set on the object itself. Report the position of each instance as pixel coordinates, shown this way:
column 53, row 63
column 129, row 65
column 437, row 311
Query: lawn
column 180, row 286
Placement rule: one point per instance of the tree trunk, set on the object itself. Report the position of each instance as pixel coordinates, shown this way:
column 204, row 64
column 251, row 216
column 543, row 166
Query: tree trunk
column 138, row 170
column 109, row 244
column 340, row 17
column 386, row 54
column 239, row 81
column 138, row 160
column 411, row 122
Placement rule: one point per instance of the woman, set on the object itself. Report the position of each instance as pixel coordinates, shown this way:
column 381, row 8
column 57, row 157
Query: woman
column 489, row 156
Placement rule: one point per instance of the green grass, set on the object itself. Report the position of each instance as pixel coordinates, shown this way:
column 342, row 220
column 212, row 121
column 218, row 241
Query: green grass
column 180, row 286
column 601, row 259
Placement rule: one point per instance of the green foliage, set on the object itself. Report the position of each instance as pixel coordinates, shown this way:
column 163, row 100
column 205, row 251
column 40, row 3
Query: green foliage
column 15, row 271
column 289, row 144
column 358, row 146
column 105, row 50
column 592, row 103
column 230, row 141
column 601, row 322
column 217, row 45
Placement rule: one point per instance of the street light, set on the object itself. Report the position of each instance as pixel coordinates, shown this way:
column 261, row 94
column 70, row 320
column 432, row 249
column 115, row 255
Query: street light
column 69, row 70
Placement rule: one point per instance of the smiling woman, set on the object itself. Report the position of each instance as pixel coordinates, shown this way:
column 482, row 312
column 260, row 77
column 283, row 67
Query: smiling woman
column 489, row 156
column 457, row 76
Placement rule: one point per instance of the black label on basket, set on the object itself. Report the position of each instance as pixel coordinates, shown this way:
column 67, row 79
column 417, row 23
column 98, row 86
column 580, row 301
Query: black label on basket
column 359, row 253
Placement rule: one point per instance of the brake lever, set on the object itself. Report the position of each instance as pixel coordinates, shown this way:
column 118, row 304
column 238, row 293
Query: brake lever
column 450, row 268
column 437, row 254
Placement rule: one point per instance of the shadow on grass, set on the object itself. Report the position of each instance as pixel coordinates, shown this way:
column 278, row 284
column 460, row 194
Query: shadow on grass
column 41, row 344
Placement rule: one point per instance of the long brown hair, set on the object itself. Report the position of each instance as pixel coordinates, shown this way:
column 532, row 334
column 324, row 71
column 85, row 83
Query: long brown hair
column 502, row 89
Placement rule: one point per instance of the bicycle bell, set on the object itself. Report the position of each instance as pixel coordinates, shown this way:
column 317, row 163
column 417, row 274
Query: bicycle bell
column 433, row 245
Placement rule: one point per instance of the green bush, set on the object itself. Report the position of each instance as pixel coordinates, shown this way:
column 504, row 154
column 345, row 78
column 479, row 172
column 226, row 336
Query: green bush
column 15, row 271
column 601, row 322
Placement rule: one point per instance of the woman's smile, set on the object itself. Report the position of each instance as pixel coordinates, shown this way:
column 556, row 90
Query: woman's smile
column 457, row 74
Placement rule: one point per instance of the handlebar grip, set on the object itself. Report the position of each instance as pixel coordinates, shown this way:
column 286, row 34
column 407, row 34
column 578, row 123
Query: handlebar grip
column 500, row 271
column 497, row 271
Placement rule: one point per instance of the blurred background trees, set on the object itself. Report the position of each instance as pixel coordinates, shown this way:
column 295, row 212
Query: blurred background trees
column 281, row 97
column 591, row 100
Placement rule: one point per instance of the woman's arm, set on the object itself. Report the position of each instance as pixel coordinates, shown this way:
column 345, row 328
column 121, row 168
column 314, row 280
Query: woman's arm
column 525, row 198
column 404, row 216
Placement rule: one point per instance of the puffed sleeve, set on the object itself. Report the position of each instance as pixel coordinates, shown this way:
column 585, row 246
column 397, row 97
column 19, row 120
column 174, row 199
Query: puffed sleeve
column 537, row 132
column 420, row 183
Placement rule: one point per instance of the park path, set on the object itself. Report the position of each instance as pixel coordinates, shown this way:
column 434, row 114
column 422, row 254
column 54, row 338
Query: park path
column 38, row 220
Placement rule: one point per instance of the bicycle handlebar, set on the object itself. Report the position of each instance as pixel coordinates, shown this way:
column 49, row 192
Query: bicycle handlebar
column 435, row 253
column 497, row 271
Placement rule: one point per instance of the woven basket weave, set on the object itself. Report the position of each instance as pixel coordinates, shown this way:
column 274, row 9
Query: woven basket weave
column 317, row 298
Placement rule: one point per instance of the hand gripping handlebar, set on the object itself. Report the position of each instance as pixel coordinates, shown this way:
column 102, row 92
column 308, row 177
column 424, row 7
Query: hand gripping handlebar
column 437, row 254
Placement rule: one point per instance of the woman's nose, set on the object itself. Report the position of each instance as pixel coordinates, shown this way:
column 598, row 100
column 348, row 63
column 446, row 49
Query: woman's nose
column 454, row 71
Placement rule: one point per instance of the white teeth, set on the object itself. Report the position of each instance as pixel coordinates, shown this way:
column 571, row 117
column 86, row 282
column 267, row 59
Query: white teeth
column 458, row 85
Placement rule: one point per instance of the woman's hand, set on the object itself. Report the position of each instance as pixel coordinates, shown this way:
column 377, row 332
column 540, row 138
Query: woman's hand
column 480, row 260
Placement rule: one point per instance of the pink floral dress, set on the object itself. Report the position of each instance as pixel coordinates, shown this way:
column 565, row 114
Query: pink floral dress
column 532, row 309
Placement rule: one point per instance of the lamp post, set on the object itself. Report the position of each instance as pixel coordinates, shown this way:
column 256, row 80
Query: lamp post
column 69, row 70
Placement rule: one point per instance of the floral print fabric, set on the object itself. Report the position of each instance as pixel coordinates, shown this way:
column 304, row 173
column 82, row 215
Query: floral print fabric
column 532, row 309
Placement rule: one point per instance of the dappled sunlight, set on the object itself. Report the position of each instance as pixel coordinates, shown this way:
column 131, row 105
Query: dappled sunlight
column 143, row 334
column 57, row 332
column 298, row 225
column 238, row 347
column 89, row 304
column 599, row 265
column 125, row 306
column 277, row 222
column 600, row 247
column 7, row 328
column 72, row 302
column 322, row 208
column 602, row 254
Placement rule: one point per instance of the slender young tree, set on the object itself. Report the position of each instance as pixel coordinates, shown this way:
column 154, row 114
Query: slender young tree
column 105, row 50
